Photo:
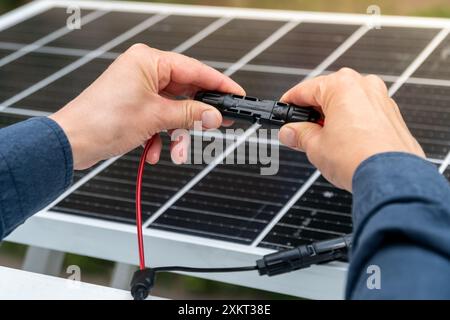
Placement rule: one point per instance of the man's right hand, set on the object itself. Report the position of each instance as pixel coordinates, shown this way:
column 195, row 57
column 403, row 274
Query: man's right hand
column 361, row 120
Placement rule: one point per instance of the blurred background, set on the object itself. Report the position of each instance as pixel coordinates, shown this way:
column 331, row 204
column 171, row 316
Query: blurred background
column 175, row 286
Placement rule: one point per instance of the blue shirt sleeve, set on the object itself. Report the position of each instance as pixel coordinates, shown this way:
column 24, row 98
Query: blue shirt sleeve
column 401, row 217
column 35, row 168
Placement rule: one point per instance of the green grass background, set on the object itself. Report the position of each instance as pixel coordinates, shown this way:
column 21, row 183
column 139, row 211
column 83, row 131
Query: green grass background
column 176, row 286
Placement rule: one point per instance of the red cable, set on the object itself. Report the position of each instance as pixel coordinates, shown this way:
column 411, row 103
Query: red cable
column 139, row 206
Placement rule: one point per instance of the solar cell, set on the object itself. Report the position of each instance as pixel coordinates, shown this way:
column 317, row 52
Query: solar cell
column 426, row 110
column 388, row 50
column 4, row 53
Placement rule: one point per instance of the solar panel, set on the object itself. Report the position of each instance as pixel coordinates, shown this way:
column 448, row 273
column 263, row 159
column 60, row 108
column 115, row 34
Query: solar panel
column 216, row 213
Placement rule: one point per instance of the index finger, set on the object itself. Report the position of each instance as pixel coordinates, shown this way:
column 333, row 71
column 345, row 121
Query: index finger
column 305, row 93
column 323, row 91
column 188, row 71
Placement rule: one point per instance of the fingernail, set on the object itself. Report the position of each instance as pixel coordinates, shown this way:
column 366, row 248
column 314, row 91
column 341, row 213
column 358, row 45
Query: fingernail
column 210, row 119
column 288, row 137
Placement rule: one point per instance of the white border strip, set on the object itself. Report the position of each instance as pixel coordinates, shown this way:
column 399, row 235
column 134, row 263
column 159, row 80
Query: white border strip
column 300, row 192
column 49, row 38
column 26, row 112
column 253, row 13
column 241, row 139
column 419, row 60
column 84, row 60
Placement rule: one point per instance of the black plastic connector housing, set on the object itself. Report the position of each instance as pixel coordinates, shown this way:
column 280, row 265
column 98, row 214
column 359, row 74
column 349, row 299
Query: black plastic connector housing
column 142, row 283
column 304, row 256
column 255, row 110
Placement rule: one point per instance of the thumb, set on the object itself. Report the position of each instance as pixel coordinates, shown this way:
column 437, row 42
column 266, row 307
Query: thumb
column 300, row 135
column 181, row 114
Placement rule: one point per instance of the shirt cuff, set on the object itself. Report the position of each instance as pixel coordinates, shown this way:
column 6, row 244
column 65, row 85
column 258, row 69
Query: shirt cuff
column 36, row 166
column 393, row 176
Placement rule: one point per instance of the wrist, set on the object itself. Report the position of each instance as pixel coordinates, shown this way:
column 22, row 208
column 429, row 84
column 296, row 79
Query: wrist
column 78, row 142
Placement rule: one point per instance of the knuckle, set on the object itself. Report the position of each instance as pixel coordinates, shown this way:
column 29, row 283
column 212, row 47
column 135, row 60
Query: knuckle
column 137, row 49
column 346, row 77
column 348, row 72
column 376, row 81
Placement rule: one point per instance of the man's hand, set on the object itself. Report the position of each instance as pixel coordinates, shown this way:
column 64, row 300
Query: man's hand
column 128, row 104
column 361, row 120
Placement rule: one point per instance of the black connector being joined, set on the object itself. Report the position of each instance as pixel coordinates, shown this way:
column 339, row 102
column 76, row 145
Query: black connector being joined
column 270, row 112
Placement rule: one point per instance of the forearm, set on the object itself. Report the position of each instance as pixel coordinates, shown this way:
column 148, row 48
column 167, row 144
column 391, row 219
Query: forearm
column 401, row 216
column 35, row 168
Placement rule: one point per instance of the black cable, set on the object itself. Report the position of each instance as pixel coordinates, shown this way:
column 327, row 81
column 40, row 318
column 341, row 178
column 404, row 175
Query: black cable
column 204, row 270
column 271, row 265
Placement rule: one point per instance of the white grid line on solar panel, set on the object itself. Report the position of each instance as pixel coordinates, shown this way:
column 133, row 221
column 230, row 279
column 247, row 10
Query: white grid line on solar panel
column 419, row 60
column 277, row 35
column 49, row 38
column 407, row 73
column 184, row 46
column 445, row 164
column 247, row 13
column 347, row 44
column 82, row 61
column 216, row 25
column 14, row 46
column 286, row 208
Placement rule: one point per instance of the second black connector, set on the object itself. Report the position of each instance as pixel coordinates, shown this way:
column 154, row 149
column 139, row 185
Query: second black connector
column 270, row 112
